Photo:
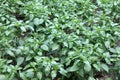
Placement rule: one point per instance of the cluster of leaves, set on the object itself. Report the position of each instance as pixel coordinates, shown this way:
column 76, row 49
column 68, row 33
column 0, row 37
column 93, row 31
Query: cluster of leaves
column 59, row 39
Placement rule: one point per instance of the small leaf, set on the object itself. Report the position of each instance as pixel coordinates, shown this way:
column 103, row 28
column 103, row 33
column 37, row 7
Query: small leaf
column 63, row 51
column 20, row 60
column 63, row 72
column 30, row 73
column 107, row 54
column 87, row 66
column 107, row 44
column 41, row 21
column 107, row 61
column 105, row 67
column 53, row 74
column 55, row 46
column 7, row 33
column 10, row 53
column 45, row 47
column 73, row 68
column 91, row 78
column 70, row 53
column 96, row 67
column 118, row 50
column 47, row 71
column 22, row 76
column 65, row 44
column 38, row 21
column 39, row 53
column 23, row 28
column 39, row 75
column 112, row 50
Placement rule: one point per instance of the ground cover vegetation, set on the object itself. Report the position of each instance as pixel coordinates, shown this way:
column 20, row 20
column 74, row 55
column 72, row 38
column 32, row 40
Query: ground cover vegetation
column 59, row 39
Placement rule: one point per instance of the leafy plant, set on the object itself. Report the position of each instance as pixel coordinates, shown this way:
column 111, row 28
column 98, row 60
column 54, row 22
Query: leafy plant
column 59, row 39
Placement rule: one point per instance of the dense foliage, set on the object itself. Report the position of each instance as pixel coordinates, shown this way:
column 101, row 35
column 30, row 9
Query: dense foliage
column 59, row 39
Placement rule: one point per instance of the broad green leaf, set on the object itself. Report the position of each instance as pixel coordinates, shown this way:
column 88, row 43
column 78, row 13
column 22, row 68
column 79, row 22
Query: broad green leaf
column 91, row 78
column 105, row 67
column 53, row 74
column 20, row 60
column 7, row 33
column 22, row 76
column 39, row 75
column 55, row 46
column 63, row 51
column 47, row 79
column 2, row 77
column 63, row 72
column 47, row 71
column 41, row 21
column 39, row 53
column 10, row 53
column 30, row 73
column 65, row 44
column 112, row 50
column 70, row 53
column 23, row 28
column 87, row 66
column 118, row 50
column 107, row 60
column 107, row 54
column 73, row 68
column 97, row 67
column 45, row 47
column 107, row 44
column 81, row 72
column 38, row 21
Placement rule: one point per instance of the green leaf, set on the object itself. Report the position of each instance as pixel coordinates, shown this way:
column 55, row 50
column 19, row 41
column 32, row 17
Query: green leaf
column 45, row 47
column 7, row 33
column 97, row 67
column 2, row 77
column 20, row 60
column 63, row 51
column 91, row 78
column 107, row 61
column 112, row 50
column 118, row 50
column 39, row 53
column 87, row 66
column 30, row 73
column 73, row 68
column 47, row 71
column 39, row 75
column 70, row 53
column 107, row 44
column 105, row 67
column 22, row 76
column 55, row 46
column 63, row 72
column 81, row 72
column 53, row 74
column 65, row 44
column 10, row 53
column 38, row 21
column 23, row 28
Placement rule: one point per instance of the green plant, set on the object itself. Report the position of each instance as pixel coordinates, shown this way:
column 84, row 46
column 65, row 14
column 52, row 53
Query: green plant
column 59, row 39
